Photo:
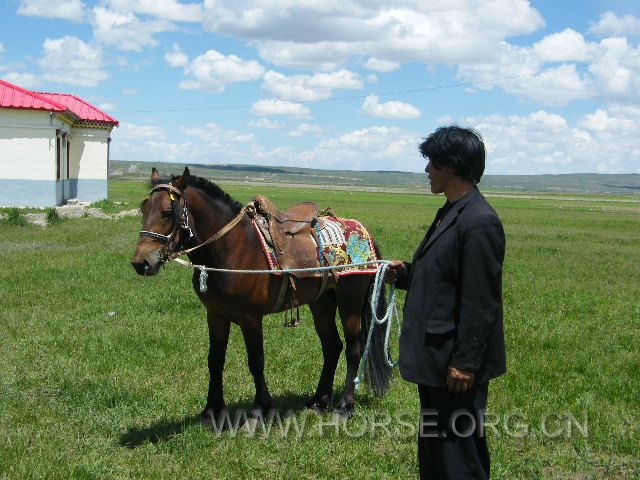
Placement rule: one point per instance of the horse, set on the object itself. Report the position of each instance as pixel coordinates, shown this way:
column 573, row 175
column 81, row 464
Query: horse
column 191, row 213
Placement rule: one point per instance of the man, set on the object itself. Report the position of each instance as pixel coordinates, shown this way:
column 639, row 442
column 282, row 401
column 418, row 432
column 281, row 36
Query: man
column 452, row 339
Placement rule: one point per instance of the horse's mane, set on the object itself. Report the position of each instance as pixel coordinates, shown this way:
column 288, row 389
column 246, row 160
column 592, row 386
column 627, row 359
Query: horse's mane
column 211, row 189
column 214, row 191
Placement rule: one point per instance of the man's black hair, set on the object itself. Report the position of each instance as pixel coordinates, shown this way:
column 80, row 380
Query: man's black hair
column 460, row 149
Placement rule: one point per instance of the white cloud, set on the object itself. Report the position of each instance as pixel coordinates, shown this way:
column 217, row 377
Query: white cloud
column 272, row 106
column 565, row 46
column 388, row 148
column 602, row 121
column 306, row 128
column 324, row 35
column 612, row 74
column 306, row 88
column 71, row 61
column 212, row 71
column 612, row 24
column 107, row 107
column 604, row 141
column 393, row 109
column 125, row 31
column 164, row 9
column 133, row 131
column 130, row 91
column 24, row 80
column 73, row 10
column 216, row 137
column 176, row 57
column 617, row 79
column 265, row 123
column 381, row 65
column 172, row 151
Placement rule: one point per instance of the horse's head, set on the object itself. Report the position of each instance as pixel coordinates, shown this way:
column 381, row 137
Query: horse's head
column 165, row 223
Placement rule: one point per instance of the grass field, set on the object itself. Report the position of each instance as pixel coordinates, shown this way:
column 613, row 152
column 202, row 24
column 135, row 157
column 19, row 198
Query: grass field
column 102, row 372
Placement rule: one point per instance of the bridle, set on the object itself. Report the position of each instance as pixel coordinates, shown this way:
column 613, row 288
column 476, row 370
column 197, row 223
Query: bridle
column 181, row 222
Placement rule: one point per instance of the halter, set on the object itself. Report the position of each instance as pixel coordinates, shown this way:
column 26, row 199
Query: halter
column 184, row 224
column 179, row 223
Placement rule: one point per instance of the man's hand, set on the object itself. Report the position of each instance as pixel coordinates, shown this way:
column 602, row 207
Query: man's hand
column 459, row 381
column 394, row 270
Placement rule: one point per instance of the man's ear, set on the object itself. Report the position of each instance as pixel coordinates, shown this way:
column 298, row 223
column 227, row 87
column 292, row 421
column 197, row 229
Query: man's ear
column 155, row 178
column 181, row 182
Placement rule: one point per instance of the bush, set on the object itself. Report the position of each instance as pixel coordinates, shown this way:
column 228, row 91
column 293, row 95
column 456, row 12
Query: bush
column 53, row 216
column 15, row 219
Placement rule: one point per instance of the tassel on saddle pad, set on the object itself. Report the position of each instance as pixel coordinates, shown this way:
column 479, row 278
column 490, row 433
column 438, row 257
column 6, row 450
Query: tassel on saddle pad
column 293, row 321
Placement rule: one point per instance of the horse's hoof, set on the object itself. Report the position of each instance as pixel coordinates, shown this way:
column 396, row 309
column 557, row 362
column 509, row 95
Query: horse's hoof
column 319, row 405
column 213, row 418
column 344, row 413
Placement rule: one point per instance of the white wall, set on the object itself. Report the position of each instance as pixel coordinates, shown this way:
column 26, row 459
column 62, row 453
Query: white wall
column 28, row 159
column 28, row 144
column 89, row 147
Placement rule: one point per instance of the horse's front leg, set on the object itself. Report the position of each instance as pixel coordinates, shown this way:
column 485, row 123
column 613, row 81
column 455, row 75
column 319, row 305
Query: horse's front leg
column 218, row 340
column 253, row 339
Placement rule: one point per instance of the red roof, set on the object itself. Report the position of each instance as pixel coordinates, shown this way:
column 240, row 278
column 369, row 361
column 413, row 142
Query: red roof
column 12, row 96
column 82, row 109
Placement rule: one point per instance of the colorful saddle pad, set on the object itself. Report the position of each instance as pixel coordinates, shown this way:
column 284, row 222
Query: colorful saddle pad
column 341, row 242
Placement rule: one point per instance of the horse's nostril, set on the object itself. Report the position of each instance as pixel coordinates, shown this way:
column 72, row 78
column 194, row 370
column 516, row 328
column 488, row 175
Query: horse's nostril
column 142, row 267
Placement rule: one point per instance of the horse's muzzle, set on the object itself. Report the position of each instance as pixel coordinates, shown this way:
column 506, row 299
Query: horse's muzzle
column 143, row 267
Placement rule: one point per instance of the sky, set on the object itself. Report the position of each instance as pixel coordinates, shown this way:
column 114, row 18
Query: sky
column 552, row 86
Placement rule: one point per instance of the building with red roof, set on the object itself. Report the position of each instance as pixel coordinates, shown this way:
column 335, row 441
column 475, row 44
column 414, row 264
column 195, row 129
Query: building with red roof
column 53, row 147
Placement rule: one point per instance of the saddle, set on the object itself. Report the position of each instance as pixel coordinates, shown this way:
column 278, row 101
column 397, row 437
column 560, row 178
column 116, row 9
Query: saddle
column 293, row 235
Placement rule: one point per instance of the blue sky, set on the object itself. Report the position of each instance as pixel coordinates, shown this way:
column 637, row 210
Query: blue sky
column 553, row 86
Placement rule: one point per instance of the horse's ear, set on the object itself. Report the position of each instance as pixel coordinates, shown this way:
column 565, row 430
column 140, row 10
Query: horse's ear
column 154, row 175
column 181, row 182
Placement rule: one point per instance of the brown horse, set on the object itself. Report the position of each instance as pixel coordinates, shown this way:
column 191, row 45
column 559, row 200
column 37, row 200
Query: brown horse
column 190, row 210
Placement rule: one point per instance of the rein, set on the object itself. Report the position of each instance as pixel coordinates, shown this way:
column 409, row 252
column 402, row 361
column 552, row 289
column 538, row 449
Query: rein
column 223, row 231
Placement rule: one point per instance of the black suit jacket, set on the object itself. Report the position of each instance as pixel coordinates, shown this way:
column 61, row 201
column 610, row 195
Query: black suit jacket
column 453, row 309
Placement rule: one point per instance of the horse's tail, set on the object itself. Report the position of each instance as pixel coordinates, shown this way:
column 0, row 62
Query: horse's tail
column 377, row 373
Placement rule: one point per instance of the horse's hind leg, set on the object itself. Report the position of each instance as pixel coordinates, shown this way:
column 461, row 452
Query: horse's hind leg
column 254, row 342
column 351, row 295
column 324, row 320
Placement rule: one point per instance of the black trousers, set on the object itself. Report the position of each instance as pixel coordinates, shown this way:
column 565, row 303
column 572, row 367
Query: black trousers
column 451, row 439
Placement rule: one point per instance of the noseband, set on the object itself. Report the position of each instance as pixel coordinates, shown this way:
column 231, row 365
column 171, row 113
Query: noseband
column 181, row 220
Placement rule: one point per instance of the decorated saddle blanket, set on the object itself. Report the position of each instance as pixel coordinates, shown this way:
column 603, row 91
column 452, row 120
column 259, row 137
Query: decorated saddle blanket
column 339, row 241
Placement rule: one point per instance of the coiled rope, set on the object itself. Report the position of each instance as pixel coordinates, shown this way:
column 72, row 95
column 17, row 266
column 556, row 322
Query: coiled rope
column 388, row 317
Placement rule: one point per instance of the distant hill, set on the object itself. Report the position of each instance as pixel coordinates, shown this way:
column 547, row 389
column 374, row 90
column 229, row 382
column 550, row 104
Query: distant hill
column 577, row 183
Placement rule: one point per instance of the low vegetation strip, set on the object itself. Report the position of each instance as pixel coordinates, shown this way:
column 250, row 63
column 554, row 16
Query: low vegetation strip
column 578, row 183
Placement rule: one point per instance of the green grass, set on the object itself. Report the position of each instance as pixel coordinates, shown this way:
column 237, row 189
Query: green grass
column 102, row 372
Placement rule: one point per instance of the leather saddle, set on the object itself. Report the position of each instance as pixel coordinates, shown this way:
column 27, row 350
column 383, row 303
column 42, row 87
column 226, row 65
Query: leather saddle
column 292, row 233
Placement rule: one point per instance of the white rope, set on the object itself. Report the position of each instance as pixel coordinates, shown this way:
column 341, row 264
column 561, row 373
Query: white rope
column 186, row 264
column 390, row 314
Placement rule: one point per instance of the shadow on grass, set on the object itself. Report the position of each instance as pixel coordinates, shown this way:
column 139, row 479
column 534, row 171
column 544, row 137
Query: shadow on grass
column 166, row 429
